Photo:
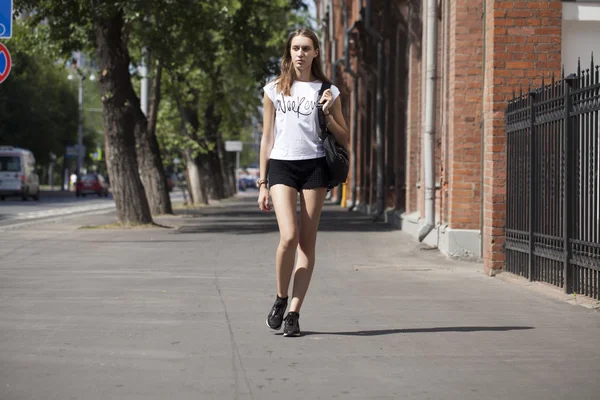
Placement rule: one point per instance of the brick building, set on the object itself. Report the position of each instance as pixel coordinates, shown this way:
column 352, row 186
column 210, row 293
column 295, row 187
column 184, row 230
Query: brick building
column 377, row 53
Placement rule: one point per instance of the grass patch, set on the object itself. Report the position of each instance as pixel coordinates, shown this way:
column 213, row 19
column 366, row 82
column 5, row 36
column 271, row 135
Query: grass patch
column 188, row 206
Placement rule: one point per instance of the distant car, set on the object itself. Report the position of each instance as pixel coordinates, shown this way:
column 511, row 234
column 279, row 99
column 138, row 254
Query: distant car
column 92, row 183
column 17, row 173
column 250, row 181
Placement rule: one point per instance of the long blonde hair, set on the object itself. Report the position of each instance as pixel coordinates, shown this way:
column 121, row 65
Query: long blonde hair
column 288, row 74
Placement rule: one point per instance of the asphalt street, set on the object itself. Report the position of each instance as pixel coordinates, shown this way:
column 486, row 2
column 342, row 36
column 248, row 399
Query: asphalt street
column 55, row 204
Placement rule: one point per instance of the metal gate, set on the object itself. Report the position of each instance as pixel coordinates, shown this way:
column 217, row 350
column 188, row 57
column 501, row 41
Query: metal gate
column 553, row 181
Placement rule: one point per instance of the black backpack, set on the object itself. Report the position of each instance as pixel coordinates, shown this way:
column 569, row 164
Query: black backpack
column 338, row 159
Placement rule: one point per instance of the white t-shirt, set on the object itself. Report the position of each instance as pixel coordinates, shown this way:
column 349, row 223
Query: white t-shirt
column 296, row 128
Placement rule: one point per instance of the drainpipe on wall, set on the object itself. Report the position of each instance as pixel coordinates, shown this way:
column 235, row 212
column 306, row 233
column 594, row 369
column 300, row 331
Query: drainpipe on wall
column 354, row 75
column 481, row 221
column 429, row 133
column 334, row 78
column 324, row 27
column 337, row 62
column 380, row 167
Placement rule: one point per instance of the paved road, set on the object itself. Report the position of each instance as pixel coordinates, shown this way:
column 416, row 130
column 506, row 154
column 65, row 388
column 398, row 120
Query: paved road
column 180, row 314
column 53, row 204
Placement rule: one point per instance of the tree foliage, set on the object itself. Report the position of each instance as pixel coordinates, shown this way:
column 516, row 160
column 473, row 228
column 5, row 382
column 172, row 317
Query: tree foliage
column 38, row 104
column 224, row 65
column 216, row 55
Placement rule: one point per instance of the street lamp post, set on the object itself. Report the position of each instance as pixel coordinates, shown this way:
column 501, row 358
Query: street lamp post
column 80, row 129
column 80, row 149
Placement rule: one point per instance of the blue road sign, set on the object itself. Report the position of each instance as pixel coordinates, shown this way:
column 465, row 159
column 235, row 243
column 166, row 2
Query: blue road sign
column 6, row 11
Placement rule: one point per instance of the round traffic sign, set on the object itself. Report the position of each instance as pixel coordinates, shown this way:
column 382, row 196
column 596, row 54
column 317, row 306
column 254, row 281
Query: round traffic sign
column 5, row 63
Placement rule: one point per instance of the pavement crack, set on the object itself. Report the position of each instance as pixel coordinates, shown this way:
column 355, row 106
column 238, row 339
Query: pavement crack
column 45, row 244
column 235, row 352
column 13, row 250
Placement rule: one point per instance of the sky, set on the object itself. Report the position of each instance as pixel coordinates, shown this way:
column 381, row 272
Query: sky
column 312, row 8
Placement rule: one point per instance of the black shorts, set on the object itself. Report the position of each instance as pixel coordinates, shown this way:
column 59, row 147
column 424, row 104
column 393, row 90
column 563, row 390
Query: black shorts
column 299, row 174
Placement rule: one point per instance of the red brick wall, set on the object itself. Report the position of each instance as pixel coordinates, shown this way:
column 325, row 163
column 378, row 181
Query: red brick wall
column 519, row 42
column 523, row 43
column 465, row 81
column 399, row 82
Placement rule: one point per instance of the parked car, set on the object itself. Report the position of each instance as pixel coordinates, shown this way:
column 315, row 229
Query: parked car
column 17, row 173
column 250, row 181
column 92, row 183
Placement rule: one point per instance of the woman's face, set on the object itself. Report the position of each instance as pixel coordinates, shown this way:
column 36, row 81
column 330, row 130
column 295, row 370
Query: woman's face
column 303, row 52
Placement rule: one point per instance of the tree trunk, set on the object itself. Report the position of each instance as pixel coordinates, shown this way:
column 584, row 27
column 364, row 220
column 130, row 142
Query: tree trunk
column 217, row 174
column 119, row 108
column 148, row 152
column 223, row 166
column 212, row 120
column 232, row 184
column 196, row 189
column 226, row 166
column 202, row 162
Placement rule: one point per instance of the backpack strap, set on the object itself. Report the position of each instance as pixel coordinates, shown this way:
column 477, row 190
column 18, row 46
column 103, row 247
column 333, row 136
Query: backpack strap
column 324, row 87
column 320, row 113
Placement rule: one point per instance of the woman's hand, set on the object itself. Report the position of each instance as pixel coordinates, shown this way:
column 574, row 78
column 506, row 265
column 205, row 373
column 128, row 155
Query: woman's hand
column 326, row 100
column 264, row 202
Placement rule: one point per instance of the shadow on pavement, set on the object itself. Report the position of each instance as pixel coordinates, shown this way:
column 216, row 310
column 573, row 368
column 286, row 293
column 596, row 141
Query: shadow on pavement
column 381, row 332
column 244, row 218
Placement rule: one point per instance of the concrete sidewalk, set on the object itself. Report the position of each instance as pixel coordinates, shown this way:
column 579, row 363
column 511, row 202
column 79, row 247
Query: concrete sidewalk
column 180, row 313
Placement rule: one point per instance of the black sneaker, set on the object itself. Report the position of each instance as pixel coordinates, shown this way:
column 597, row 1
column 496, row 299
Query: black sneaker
column 275, row 317
column 292, row 326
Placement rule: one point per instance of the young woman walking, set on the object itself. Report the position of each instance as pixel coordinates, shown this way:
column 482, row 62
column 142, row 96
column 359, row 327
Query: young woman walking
column 292, row 163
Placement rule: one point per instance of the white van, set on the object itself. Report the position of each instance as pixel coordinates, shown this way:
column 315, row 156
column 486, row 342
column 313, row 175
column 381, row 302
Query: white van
column 17, row 173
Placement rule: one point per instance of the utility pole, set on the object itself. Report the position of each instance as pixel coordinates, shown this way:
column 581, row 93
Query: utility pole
column 78, row 65
column 80, row 68
column 80, row 128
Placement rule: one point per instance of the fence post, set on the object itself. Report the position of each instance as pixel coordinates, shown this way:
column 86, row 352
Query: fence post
column 567, row 214
column 531, row 266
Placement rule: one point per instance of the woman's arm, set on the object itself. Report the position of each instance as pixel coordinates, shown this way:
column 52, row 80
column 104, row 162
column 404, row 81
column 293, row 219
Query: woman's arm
column 266, row 143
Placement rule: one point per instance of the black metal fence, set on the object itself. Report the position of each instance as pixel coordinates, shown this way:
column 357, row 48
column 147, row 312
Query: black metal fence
column 553, row 183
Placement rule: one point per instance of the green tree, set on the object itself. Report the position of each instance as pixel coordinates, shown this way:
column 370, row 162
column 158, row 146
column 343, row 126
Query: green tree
column 217, row 96
column 104, row 27
column 206, row 48
column 160, row 30
column 38, row 106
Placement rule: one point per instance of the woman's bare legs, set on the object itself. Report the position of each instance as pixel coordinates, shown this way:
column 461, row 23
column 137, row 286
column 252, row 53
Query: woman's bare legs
column 311, row 201
column 284, row 200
